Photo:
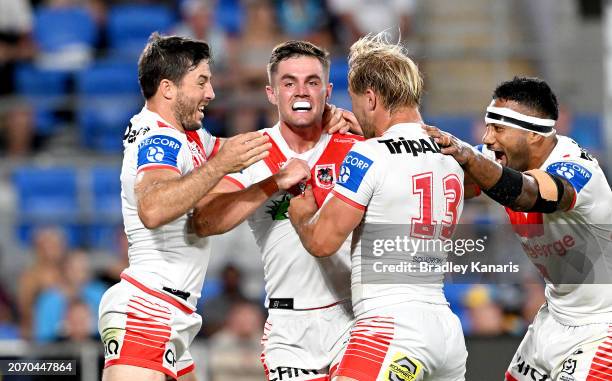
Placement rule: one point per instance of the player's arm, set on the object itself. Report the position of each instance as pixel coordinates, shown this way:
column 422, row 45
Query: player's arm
column 339, row 120
column 227, row 205
column 323, row 233
column 530, row 191
column 163, row 194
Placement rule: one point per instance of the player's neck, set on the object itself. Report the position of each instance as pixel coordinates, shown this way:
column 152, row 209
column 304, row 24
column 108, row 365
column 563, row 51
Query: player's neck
column 540, row 154
column 165, row 111
column 300, row 139
column 404, row 115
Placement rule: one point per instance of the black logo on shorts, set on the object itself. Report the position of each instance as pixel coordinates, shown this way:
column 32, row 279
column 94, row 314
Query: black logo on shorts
column 169, row 357
column 111, row 347
column 285, row 373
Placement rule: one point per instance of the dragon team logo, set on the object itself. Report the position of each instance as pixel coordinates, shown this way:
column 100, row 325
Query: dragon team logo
column 325, row 175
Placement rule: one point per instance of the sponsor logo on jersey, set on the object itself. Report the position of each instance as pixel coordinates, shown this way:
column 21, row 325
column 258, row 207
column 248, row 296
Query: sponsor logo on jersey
column 325, row 175
column 158, row 149
column 353, row 169
column 403, row 368
column 415, row 147
column 576, row 174
column 525, row 369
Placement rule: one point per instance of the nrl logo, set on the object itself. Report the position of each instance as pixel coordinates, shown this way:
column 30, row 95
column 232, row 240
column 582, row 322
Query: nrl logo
column 325, row 175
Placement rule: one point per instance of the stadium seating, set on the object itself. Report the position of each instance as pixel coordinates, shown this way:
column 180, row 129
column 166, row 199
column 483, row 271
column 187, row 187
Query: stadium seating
column 108, row 96
column 44, row 90
column 57, row 28
column 105, row 207
column 129, row 26
column 66, row 37
column 47, row 196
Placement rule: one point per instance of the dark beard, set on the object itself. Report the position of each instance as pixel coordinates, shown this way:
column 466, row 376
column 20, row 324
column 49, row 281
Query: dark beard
column 183, row 112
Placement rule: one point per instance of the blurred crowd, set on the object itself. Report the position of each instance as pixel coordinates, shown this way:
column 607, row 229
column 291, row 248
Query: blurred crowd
column 241, row 32
column 55, row 296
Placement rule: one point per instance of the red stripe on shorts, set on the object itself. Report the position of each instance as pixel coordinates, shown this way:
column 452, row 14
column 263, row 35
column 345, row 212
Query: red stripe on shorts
column 367, row 348
column 601, row 365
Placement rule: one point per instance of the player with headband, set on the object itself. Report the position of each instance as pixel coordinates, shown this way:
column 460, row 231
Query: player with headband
column 558, row 201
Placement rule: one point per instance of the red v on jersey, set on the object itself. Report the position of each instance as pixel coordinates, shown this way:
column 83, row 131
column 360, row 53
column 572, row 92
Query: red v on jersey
column 324, row 172
column 196, row 147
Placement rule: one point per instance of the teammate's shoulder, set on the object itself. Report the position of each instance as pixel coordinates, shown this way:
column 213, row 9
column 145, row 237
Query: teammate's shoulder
column 347, row 138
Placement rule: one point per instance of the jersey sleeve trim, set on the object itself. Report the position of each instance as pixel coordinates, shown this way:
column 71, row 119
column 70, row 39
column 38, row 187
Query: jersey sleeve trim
column 347, row 200
column 215, row 148
column 234, row 181
column 573, row 201
column 148, row 167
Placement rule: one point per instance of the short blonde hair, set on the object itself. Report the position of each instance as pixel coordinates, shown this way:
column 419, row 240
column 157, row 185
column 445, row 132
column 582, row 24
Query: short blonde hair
column 386, row 69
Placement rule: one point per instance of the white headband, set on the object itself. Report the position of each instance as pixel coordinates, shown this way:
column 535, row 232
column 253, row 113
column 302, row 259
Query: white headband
column 511, row 118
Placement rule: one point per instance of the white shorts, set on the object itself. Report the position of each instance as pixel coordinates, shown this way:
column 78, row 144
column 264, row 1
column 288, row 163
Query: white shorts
column 146, row 328
column 552, row 351
column 409, row 341
column 304, row 345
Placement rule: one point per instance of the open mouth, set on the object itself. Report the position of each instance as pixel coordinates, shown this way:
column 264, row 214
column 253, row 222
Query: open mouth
column 201, row 111
column 500, row 157
column 301, row 106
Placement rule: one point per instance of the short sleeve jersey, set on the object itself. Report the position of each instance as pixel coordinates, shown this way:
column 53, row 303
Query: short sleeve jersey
column 401, row 179
column 573, row 249
column 290, row 271
column 172, row 255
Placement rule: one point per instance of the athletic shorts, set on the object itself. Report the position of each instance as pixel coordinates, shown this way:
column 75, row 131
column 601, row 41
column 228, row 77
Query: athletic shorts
column 304, row 345
column 147, row 328
column 552, row 351
column 411, row 341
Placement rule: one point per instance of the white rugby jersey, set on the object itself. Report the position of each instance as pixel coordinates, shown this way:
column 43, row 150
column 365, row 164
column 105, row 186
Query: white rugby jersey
column 292, row 275
column 172, row 255
column 404, row 185
column 573, row 249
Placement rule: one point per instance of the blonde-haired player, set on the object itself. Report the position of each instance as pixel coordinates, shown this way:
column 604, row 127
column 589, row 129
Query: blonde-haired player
column 404, row 328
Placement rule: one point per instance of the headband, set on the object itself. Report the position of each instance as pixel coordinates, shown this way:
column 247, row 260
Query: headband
column 511, row 118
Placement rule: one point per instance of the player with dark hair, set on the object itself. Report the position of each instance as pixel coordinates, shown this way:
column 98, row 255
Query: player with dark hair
column 308, row 299
column 147, row 321
column 558, row 201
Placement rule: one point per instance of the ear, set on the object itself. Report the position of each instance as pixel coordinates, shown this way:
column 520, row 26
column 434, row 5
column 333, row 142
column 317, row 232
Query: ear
column 167, row 89
column 534, row 138
column 271, row 95
column 372, row 99
column 328, row 91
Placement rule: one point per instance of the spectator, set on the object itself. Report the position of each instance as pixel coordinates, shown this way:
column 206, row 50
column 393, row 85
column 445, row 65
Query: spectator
column 52, row 304
column 78, row 323
column 116, row 264
column 248, row 59
column 234, row 351
column 217, row 308
column 8, row 328
column 43, row 273
column 305, row 20
column 197, row 22
column 361, row 17
column 16, row 45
